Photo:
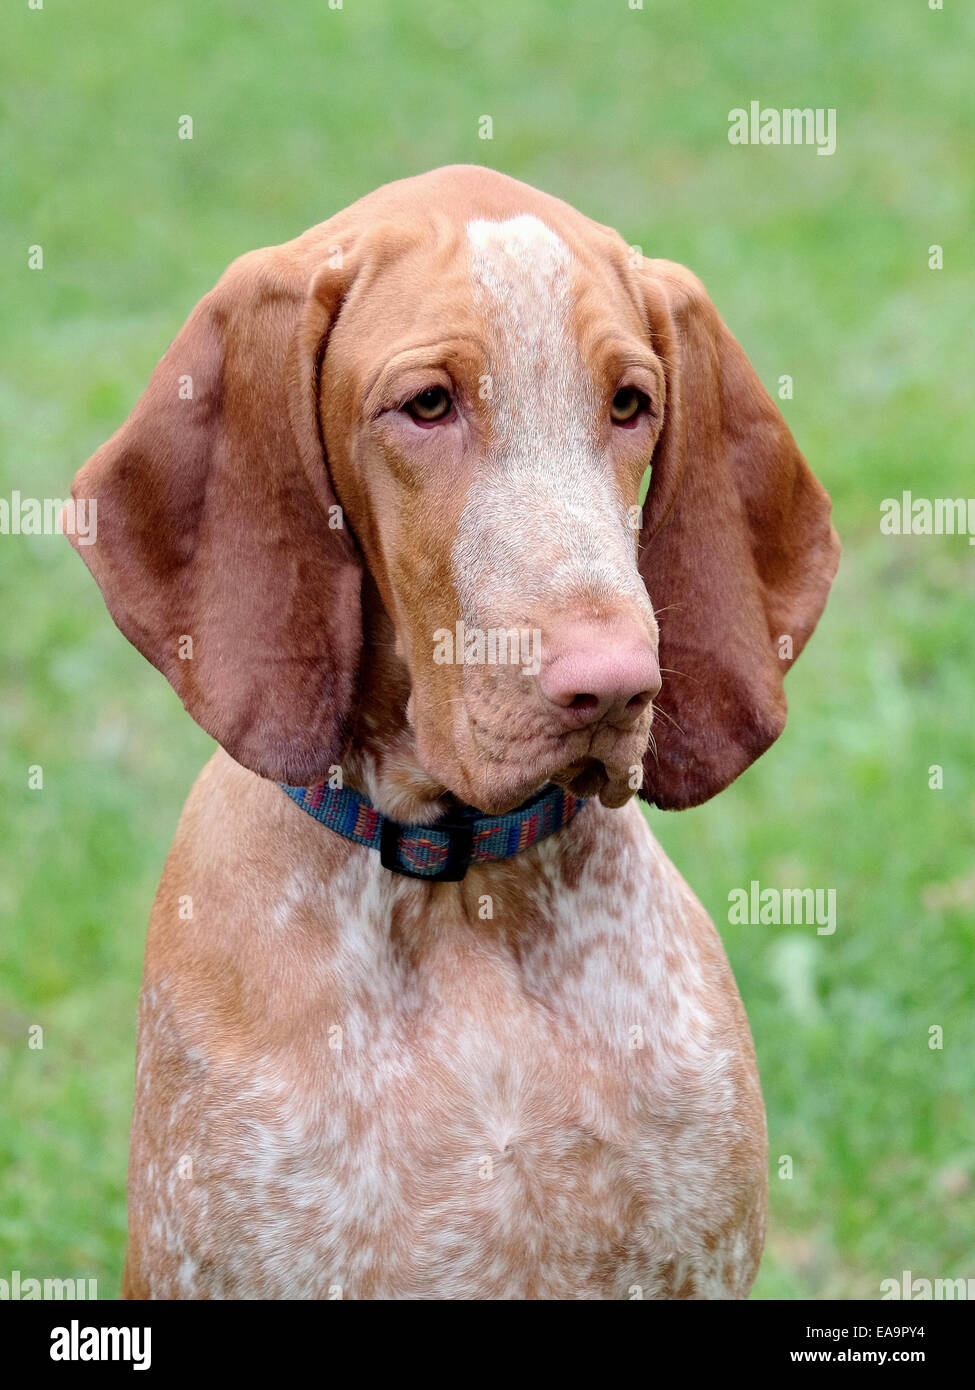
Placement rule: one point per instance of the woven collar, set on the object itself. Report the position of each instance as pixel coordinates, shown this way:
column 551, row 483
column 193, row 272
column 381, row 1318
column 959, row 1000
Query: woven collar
column 440, row 852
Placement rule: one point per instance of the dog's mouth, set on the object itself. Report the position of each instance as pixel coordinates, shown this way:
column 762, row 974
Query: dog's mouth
column 612, row 785
column 586, row 778
column 494, row 755
column 607, row 766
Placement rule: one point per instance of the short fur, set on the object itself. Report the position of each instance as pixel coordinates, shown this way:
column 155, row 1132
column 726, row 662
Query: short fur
column 539, row 1082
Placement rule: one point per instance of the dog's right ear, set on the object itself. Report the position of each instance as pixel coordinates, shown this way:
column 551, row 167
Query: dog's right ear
column 219, row 546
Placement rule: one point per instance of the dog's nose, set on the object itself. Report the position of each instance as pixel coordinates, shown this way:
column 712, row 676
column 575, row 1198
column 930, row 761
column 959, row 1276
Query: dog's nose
column 599, row 670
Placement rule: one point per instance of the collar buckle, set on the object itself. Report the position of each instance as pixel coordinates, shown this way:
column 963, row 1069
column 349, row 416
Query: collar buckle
column 460, row 848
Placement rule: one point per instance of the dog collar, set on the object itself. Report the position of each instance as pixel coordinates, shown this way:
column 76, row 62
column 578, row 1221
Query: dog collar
column 441, row 852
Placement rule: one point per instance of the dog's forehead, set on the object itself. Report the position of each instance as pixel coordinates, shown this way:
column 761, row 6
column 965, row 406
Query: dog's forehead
column 521, row 277
column 520, row 250
column 534, row 284
column 520, row 273
column 522, row 283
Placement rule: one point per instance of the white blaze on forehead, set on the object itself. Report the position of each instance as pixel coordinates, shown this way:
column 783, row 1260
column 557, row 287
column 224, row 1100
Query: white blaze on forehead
column 522, row 278
column 543, row 519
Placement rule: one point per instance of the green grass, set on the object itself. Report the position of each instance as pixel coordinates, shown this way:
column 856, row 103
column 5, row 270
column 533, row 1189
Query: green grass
column 820, row 267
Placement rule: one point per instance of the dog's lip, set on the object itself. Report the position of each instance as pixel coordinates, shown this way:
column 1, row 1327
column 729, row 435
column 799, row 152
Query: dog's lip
column 495, row 788
column 585, row 778
column 588, row 778
column 580, row 769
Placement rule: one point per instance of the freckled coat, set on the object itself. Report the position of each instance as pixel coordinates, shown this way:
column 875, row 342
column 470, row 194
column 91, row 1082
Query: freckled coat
column 381, row 1092
column 537, row 1082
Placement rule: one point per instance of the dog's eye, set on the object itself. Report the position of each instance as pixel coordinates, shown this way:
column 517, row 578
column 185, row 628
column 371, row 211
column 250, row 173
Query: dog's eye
column 627, row 404
column 430, row 405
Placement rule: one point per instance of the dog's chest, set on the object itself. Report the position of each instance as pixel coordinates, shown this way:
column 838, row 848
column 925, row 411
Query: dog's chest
column 469, row 1107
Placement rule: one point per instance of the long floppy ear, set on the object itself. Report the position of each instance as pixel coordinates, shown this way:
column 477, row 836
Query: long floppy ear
column 737, row 550
column 220, row 549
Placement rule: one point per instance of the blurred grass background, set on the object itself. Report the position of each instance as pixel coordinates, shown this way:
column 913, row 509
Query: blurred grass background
column 820, row 266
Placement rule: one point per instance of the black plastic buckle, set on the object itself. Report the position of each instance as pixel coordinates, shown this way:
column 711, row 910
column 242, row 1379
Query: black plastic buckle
column 460, row 847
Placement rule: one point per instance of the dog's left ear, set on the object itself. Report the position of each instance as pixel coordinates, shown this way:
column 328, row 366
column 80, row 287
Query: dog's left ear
column 737, row 551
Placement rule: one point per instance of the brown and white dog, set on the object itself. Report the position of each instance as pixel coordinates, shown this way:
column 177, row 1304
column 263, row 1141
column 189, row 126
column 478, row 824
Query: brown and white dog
column 537, row 1082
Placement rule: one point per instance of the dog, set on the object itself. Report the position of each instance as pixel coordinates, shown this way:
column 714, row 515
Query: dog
column 427, row 1013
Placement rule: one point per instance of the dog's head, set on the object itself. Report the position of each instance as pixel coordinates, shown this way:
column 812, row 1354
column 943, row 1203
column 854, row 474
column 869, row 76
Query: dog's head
column 458, row 384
